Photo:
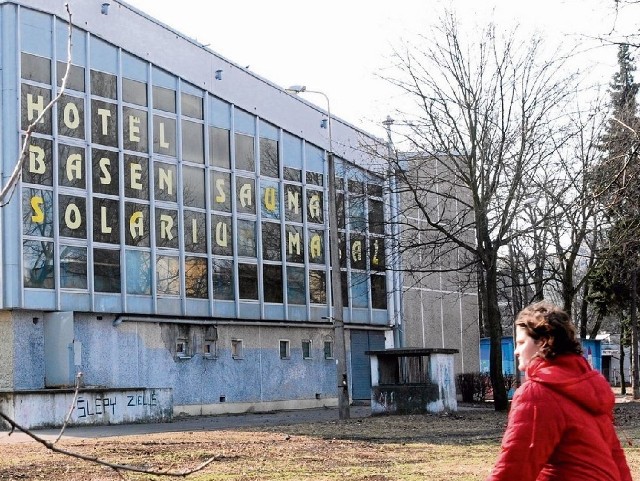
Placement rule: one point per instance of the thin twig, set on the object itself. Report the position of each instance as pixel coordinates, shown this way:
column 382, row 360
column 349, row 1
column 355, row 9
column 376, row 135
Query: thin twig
column 71, row 408
column 92, row 459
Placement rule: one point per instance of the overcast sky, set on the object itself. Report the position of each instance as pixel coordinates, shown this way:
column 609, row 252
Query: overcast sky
column 343, row 47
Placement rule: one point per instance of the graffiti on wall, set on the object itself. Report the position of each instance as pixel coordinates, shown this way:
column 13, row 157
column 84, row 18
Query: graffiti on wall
column 101, row 406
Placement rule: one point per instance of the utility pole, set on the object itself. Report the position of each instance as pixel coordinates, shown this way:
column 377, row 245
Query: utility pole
column 635, row 381
column 336, row 295
column 340, row 351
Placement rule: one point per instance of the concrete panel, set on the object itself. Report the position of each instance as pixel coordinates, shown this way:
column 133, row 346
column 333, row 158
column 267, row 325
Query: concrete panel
column 28, row 349
column 48, row 408
column 58, row 338
column 432, row 318
column 6, row 350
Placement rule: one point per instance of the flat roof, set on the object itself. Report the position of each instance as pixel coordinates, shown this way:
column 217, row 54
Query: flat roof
column 411, row 351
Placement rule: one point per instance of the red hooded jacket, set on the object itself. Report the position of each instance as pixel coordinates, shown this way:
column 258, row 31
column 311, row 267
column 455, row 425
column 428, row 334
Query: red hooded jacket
column 561, row 426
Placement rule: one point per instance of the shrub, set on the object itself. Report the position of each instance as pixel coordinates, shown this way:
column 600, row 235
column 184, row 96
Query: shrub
column 476, row 386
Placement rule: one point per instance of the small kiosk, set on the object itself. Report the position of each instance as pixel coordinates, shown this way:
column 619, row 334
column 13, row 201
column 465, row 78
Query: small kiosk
column 412, row 380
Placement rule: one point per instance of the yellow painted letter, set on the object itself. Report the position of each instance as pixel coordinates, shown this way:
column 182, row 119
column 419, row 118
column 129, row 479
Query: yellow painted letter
column 136, row 225
column 71, row 116
column 74, row 167
column 38, row 214
column 36, row 160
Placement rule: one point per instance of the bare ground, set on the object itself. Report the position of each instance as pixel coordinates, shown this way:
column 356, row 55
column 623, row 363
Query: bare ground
column 451, row 447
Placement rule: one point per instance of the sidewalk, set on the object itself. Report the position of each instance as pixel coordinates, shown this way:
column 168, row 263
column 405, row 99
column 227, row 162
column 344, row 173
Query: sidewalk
column 195, row 423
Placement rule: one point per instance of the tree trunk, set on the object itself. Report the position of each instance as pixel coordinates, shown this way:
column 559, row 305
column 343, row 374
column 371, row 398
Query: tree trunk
column 635, row 378
column 583, row 312
column 493, row 319
column 623, row 382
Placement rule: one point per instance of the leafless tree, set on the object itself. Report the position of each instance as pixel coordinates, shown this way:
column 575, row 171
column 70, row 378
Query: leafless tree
column 481, row 132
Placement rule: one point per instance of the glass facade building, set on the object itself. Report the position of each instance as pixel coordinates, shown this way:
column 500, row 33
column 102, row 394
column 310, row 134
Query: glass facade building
column 143, row 193
column 169, row 230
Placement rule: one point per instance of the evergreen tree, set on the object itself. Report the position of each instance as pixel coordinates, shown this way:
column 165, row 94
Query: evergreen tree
column 613, row 178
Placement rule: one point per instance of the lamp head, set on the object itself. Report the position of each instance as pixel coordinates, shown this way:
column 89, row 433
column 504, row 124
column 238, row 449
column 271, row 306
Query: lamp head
column 296, row 89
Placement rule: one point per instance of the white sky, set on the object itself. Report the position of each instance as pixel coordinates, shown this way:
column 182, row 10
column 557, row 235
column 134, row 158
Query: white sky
column 342, row 47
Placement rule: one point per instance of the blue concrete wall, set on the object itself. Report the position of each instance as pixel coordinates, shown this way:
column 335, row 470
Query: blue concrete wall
column 591, row 347
column 142, row 355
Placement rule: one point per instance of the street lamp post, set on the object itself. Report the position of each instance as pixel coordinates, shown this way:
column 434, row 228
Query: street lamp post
column 336, row 279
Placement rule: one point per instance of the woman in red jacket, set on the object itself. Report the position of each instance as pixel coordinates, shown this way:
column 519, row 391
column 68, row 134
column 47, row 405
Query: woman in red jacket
column 561, row 419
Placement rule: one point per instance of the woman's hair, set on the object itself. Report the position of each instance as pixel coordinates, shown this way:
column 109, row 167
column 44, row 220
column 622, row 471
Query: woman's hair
column 552, row 327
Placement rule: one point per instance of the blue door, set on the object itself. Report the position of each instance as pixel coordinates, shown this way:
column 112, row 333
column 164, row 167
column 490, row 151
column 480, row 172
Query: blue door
column 362, row 341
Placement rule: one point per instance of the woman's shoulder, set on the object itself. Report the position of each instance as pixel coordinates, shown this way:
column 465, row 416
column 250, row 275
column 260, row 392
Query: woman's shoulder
column 535, row 393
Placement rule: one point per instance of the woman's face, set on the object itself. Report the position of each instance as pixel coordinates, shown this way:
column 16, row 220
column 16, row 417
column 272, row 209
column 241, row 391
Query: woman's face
column 526, row 348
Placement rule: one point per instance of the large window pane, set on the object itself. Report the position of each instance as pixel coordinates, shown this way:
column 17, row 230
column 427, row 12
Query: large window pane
column 103, row 84
column 193, row 187
column 191, row 106
column 248, row 281
column 359, row 289
column 246, row 238
column 245, row 153
column 192, row 142
column 166, row 182
column 221, row 191
column 315, row 178
column 378, row 292
column 136, row 224
column 164, row 99
column 295, row 243
column 104, row 123
column 293, row 203
column 105, row 167
column 138, row 272
column 168, row 275
column 164, row 135
column 376, row 254
column 71, row 117
column 314, row 206
column 316, row 246
column 357, row 252
column 136, row 177
column 35, row 68
column 269, row 164
column 73, row 267
column 71, row 166
column 38, row 169
column 73, row 216
column 271, row 243
column 272, row 282
column 134, row 130
column 195, row 231
column 75, row 79
column 32, row 103
column 223, row 279
column 134, row 92
column 357, row 219
column 167, row 228
column 38, row 264
column 296, row 292
column 376, row 217
column 219, row 149
column 318, row 287
column 37, row 212
column 196, row 276
column 221, row 235
column 106, row 220
column 270, row 200
column 106, row 270
column 245, row 193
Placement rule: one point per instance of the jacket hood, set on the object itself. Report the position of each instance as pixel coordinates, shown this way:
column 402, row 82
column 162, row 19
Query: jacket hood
column 573, row 377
